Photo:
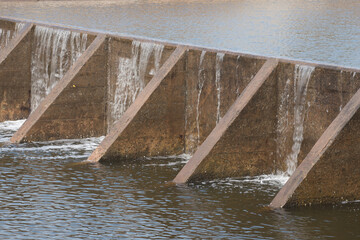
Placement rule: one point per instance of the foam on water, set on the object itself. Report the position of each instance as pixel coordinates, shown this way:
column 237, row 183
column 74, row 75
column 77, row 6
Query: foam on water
column 58, row 149
column 55, row 50
column 11, row 125
column 77, row 149
column 8, row 128
column 269, row 184
column 183, row 156
column 271, row 179
column 172, row 160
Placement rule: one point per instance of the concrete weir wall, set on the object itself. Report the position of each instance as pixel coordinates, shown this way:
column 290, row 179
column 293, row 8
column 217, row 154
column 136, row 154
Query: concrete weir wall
column 236, row 114
column 15, row 91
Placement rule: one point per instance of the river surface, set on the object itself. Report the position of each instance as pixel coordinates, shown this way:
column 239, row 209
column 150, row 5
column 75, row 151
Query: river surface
column 315, row 30
column 46, row 194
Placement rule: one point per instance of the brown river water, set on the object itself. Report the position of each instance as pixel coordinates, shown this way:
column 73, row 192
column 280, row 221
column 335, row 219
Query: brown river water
column 46, row 195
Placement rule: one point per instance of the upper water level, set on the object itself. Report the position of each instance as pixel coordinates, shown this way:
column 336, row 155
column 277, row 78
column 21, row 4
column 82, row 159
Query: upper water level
column 316, row 30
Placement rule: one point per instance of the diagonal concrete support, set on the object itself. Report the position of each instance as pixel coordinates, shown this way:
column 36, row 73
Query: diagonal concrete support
column 15, row 76
column 330, row 173
column 76, row 105
column 153, row 124
column 223, row 133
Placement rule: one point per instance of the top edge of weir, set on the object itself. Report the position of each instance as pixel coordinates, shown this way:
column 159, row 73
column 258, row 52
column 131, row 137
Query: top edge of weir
column 175, row 44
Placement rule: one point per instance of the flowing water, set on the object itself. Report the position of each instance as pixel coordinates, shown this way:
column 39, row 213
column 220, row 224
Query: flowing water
column 46, row 194
column 131, row 77
column 7, row 35
column 54, row 52
column 296, row 102
column 219, row 60
column 301, row 82
column 201, row 82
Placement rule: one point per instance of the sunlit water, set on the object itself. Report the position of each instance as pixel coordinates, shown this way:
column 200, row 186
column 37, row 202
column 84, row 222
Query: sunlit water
column 316, row 30
column 45, row 194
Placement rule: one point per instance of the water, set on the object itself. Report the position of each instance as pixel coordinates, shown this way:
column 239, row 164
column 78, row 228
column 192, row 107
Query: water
column 201, row 81
column 7, row 35
column 219, row 60
column 46, row 195
column 54, row 52
column 301, row 82
column 283, row 125
column 131, row 77
column 202, row 78
column 316, row 30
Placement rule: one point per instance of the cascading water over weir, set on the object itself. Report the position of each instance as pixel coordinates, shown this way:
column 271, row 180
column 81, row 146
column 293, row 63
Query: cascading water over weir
column 130, row 79
column 238, row 115
column 201, row 81
column 301, row 83
column 292, row 122
column 6, row 35
column 54, row 52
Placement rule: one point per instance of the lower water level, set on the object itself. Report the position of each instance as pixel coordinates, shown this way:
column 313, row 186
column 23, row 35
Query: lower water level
column 45, row 194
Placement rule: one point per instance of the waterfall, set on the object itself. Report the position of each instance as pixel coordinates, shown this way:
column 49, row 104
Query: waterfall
column 237, row 76
column 54, row 51
column 131, row 77
column 201, row 81
column 301, row 82
column 7, row 35
column 283, row 120
column 219, row 60
column 18, row 27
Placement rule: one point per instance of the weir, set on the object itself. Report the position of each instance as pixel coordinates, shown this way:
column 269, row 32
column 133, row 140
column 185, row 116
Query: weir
column 236, row 114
